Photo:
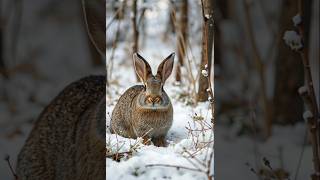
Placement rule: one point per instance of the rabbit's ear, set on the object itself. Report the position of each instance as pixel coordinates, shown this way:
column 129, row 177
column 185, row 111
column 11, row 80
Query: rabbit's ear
column 142, row 67
column 165, row 68
column 95, row 20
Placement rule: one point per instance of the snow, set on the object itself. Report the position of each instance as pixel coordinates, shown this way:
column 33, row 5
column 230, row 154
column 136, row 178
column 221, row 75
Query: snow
column 303, row 89
column 204, row 73
column 207, row 16
column 293, row 40
column 282, row 150
column 307, row 115
column 135, row 166
column 297, row 20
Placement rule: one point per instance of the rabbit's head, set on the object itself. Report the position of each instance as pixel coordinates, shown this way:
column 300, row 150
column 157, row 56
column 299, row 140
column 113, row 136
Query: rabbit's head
column 153, row 96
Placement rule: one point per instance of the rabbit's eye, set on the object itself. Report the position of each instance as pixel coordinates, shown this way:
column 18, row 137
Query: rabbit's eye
column 157, row 100
column 153, row 100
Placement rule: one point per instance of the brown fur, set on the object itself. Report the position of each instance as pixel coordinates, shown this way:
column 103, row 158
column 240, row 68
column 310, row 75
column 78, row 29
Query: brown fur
column 129, row 120
column 132, row 117
column 68, row 139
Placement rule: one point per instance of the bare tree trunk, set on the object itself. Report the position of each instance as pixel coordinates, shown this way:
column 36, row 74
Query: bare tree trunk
column 119, row 7
column 222, row 12
column 182, row 38
column 312, row 109
column 170, row 22
column 3, row 70
column 96, row 58
column 289, row 73
column 207, row 43
column 2, row 67
column 142, row 25
column 260, row 67
column 135, row 47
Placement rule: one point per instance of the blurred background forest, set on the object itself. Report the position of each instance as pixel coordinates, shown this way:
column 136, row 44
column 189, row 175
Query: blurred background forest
column 255, row 75
column 44, row 47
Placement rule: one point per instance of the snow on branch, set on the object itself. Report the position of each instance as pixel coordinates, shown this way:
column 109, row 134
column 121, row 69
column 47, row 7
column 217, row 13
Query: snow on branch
column 293, row 40
column 307, row 115
column 303, row 90
column 297, row 20
column 204, row 73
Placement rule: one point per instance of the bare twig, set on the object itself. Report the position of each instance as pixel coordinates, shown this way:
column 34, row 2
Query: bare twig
column 255, row 135
column 114, row 46
column 185, row 43
column 312, row 113
column 181, row 44
column 119, row 10
column 195, row 158
column 260, row 67
column 7, row 158
column 175, row 166
column 301, row 154
column 207, row 48
column 16, row 27
column 209, row 174
column 135, row 24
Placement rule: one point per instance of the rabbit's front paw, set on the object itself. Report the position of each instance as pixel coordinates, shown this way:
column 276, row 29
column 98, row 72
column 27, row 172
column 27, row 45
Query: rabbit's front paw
column 160, row 141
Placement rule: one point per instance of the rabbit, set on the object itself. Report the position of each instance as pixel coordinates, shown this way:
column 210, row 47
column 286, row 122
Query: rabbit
column 145, row 110
column 68, row 138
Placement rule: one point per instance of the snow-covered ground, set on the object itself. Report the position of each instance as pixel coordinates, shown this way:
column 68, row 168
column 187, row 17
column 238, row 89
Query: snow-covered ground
column 179, row 141
column 284, row 150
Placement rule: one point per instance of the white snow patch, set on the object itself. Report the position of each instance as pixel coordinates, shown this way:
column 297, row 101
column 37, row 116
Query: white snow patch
column 204, row 73
column 307, row 115
column 293, row 40
column 303, row 89
column 207, row 16
column 297, row 20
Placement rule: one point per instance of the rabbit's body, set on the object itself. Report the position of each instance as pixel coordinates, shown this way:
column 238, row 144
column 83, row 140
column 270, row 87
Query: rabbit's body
column 130, row 119
column 145, row 111
column 68, row 139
